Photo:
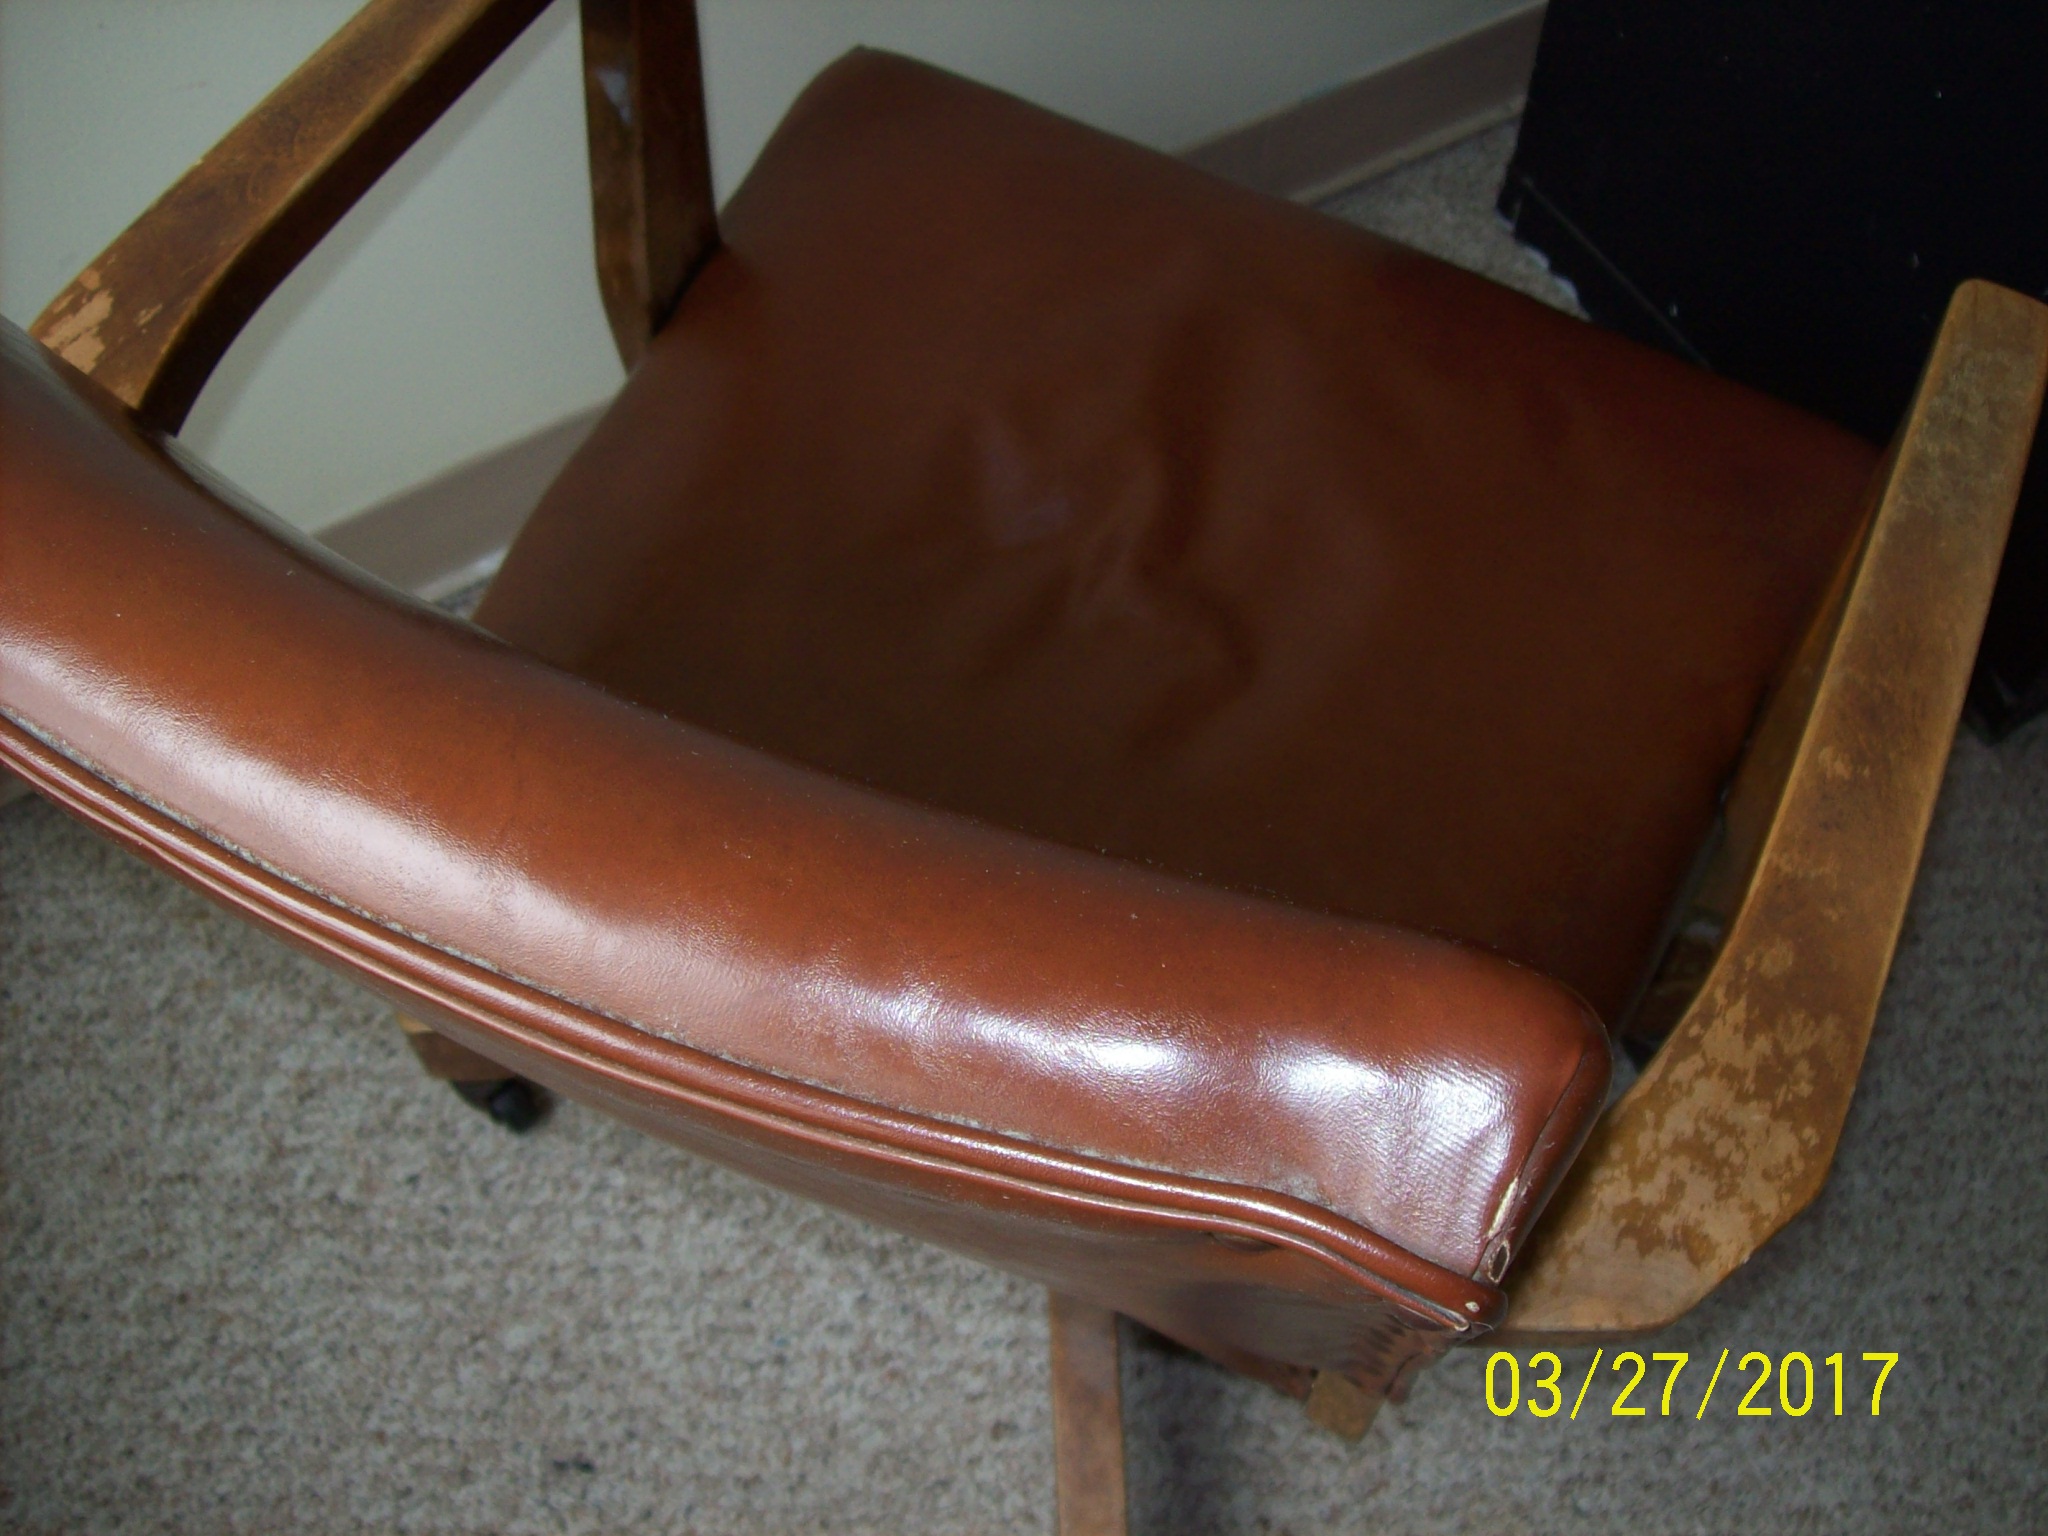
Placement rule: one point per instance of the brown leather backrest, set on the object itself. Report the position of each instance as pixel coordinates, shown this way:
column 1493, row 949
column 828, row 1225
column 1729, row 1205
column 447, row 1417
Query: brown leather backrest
column 1054, row 1060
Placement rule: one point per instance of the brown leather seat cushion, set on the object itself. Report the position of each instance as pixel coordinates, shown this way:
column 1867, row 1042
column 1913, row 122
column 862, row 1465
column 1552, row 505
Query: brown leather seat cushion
column 1023, row 471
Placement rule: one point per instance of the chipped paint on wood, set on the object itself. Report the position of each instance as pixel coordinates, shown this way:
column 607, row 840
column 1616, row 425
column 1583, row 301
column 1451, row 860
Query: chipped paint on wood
column 74, row 334
column 154, row 313
column 1730, row 1131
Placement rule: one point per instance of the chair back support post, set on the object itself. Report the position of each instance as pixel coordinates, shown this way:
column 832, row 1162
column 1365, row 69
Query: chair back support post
column 650, row 160
column 1729, row 1132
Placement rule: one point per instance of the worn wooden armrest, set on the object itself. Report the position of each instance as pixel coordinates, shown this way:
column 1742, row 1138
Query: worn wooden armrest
column 155, row 311
column 1730, row 1130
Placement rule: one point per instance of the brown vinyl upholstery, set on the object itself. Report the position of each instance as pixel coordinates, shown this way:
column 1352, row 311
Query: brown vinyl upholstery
column 1275, row 1135
column 1019, row 470
column 1001, row 497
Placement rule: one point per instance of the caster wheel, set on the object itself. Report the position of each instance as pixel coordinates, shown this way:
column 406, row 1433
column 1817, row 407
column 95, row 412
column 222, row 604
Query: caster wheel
column 513, row 1102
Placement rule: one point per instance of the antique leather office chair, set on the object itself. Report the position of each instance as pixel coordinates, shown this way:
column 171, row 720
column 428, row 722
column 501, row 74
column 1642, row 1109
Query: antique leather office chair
column 1124, row 727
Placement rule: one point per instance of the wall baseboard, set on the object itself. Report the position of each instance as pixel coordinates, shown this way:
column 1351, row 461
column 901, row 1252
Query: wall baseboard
column 1321, row 146
column 449, row 532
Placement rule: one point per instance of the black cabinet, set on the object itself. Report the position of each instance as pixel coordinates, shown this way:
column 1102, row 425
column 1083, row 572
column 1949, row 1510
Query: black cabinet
column 1787, row 192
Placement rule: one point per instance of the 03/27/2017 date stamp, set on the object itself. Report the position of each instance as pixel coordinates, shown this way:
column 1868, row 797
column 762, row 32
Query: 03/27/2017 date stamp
column 1762, row 1386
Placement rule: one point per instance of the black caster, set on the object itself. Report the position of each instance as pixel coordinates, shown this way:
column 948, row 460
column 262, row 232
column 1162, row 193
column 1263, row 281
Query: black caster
column 513, row 1102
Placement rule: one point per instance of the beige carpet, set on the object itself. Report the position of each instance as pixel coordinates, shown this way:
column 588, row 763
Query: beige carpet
column 258, row 1275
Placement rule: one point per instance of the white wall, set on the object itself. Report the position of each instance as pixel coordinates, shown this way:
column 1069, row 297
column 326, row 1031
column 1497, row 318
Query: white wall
column 455, row 308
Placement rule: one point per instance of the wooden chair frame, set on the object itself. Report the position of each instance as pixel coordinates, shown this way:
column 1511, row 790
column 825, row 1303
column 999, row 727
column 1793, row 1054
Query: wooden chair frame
column 1729, row 1131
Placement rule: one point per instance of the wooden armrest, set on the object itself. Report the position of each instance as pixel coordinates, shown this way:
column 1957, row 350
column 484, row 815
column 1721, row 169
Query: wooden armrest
column 154, row 312
column 1730, row 1131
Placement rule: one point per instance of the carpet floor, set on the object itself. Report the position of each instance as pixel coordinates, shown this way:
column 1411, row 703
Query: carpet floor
column 259, row 1275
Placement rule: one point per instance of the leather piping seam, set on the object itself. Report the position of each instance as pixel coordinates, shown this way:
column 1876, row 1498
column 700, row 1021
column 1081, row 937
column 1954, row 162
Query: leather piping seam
column 1522, row 1188
column 867, row 1130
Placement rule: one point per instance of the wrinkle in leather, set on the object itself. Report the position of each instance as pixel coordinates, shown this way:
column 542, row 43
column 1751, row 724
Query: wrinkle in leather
column 1018, row 470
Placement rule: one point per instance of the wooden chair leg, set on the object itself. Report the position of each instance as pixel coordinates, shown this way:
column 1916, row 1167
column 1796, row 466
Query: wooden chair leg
column 1087, row 1419
column 512, row 1101
column 1342, row 1406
